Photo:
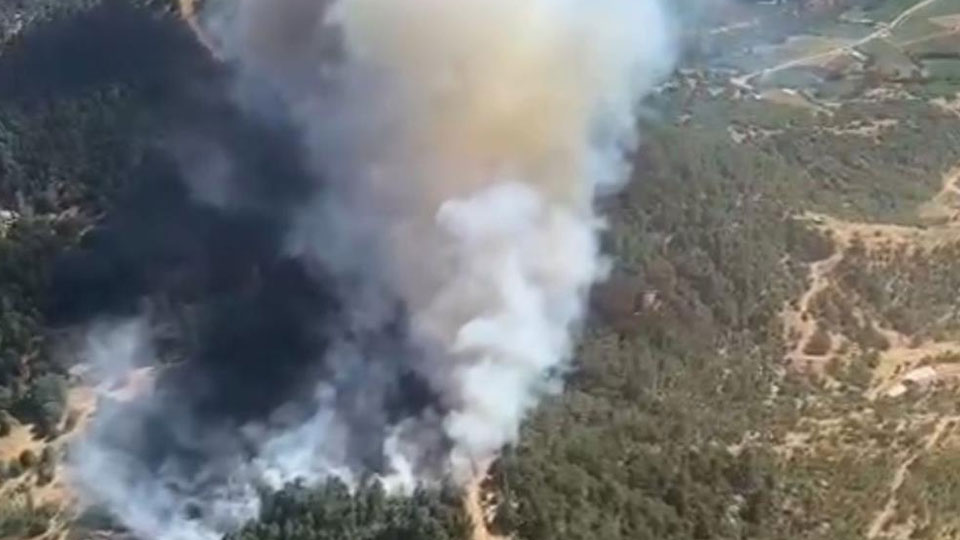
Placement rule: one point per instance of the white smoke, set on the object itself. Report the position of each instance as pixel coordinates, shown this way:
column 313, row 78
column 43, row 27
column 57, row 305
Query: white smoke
column 492, row 126
column 115, row 348
column 461, row 145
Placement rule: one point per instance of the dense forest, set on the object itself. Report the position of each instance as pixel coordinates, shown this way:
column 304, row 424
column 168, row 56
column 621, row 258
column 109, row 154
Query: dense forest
column 70, row 138
column 332, row 511
column 672, row 418
column 679, row 402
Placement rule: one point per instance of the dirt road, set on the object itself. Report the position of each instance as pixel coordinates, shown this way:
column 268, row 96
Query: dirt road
column 889, row 509
column 883, row 31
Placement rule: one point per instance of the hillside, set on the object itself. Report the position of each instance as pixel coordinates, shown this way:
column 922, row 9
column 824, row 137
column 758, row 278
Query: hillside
column 776, row 354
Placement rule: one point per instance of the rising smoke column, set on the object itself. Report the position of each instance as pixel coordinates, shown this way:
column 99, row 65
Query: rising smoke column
column 496, row 123
column 427, row 279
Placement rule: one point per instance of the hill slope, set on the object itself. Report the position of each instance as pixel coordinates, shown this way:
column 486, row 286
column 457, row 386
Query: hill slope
column 775, row 355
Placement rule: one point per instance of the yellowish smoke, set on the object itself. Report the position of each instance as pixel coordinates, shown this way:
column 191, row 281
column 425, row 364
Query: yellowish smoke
column 512, row 113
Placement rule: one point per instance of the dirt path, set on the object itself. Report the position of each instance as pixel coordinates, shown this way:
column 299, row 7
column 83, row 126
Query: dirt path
column 906, row 361
column 884, row 31
column 744, row 25
column 19, row 439
column 942, row 213
column 189, row 10
column 800, row 322
column 901, row 362
column 944, row 208
column 889, row 509
column 910, row 11
column 473, row 503
column 474, row 507
column 928, row 37
column 81, row 404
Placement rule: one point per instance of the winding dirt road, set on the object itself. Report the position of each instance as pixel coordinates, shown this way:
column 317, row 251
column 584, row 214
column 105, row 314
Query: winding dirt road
column 883, row 31
column 889, row 509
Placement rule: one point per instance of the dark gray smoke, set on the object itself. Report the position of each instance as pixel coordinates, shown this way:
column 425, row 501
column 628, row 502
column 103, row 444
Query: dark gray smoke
column 189, row 276
column 361, row 248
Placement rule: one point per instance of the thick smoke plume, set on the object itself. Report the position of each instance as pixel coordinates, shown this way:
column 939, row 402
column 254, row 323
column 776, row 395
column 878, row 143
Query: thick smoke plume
column 381, row 254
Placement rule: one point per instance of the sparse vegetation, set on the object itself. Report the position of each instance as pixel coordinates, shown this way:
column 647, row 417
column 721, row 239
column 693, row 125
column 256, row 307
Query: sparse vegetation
column 912, row 290
column 20, row 517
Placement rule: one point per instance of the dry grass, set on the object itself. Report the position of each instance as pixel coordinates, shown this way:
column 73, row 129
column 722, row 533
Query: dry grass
column 941, row 216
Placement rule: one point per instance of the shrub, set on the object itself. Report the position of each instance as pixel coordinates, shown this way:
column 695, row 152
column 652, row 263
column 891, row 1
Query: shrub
column 819, row 343
column 14, row 469
column 28, row 459
column 46, row 473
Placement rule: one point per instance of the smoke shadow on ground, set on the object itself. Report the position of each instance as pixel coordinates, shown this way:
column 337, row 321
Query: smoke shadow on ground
column 249, row 330
column 114, row 41
column 193, row 242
